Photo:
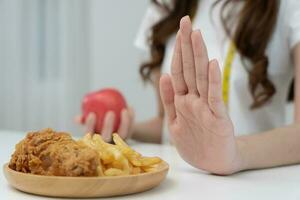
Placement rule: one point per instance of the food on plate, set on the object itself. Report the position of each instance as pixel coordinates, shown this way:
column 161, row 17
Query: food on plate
column 47, row 152
column 102, row 101
column 119, row 158
column 51, row 153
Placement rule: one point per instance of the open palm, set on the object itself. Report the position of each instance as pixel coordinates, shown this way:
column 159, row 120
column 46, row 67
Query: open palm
column 192, row 96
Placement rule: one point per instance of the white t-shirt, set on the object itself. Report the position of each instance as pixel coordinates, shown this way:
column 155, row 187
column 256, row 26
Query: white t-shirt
column 280, row 70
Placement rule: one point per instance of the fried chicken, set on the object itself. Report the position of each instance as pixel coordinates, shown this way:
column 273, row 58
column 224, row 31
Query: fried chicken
column 51, row 153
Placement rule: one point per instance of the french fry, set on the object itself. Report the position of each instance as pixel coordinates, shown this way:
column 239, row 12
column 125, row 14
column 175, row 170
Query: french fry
column 119, row 159
column 131, row 155
column 150, row 168
column 148, row 161
column 113, row 172
column 120, row 143
column 136, row 170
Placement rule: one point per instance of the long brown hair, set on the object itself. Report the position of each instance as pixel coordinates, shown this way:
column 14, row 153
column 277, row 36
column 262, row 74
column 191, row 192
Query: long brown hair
column 251, row 35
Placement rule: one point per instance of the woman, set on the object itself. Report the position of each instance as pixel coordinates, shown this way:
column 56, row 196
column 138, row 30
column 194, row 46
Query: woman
column 256, row 43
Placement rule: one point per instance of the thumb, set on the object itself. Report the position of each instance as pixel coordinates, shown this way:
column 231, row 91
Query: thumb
column 167, row 96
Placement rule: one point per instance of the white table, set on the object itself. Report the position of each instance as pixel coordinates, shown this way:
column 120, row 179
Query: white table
column 183, row 181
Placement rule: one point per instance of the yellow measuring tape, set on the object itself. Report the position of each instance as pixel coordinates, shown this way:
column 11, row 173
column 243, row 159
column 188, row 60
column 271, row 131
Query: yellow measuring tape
column 227, row 72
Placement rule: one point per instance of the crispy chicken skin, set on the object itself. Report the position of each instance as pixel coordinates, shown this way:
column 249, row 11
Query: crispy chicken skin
column 51, row 153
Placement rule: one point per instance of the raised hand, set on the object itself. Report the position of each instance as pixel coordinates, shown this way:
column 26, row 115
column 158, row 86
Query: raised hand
column 125, row 128
column 192, row 96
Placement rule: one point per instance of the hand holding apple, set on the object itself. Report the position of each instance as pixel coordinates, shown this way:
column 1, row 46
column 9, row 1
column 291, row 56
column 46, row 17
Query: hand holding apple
column 105, row 112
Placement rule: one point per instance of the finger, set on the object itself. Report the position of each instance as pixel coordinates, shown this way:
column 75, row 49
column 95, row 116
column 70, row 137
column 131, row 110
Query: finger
column 125, row 123
column 131, row 113
column 215, row 98
column 201, row 64
column 90, row 122
column 132, row 117
column 108, row 125
column 188, row 61
column 167, row 95
column 176, row 69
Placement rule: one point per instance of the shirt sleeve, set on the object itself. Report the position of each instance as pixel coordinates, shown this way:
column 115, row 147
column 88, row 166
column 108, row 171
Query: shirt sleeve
column 153, row 15
column 293, row 22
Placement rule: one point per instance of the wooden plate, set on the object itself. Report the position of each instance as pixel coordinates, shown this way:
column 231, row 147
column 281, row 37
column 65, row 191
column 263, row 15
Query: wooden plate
column 84, row 187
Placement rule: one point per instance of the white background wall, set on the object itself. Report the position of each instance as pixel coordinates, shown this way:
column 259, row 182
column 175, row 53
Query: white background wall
column 52, row 52
column 115, row 60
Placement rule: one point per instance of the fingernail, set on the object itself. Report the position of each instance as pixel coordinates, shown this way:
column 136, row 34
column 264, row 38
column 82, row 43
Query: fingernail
column 186, row 17
column 185, row 21
column 196, row 33
column 182, row 20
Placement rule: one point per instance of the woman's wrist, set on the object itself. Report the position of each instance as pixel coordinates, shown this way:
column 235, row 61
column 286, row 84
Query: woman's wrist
column 148, row 131
column 243, row 160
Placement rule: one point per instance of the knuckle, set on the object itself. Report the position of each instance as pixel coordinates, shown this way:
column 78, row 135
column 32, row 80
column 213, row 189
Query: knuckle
column 189, row 64
column 202, row 76
column 175, row 72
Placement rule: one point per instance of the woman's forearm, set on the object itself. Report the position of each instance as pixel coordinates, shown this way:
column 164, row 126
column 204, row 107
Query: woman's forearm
column 149, row 131
column 280, row 146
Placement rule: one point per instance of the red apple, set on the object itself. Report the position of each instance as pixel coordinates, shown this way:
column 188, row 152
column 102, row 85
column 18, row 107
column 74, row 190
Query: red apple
column 102, row 101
